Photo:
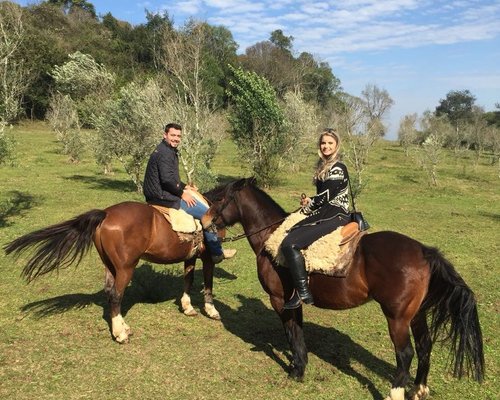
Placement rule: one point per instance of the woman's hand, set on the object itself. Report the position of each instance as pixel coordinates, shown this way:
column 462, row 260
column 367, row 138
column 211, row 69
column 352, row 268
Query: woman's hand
column 304, row 200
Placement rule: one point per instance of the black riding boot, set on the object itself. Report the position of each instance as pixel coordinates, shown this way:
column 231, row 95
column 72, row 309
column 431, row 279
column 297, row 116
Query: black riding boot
column 294, row 260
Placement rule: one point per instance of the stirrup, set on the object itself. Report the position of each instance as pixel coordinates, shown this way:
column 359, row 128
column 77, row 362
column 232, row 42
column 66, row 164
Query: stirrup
column 295, row 301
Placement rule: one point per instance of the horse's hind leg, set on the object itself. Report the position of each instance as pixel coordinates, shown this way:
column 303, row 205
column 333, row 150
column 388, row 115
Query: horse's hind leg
column 423, row 345
column 188, row 284
column 399, row 329
column 119, row 329
column 109, row 281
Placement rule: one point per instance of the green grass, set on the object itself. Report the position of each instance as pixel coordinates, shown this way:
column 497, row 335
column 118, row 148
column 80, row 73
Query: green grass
column 55, row 341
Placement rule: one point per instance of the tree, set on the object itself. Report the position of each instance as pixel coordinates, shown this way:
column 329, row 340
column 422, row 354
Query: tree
column 360, row 121
column 6, row 144
column 436, row 130
column 88, row 84
column 476, row 133
column 281, row 41
column 301, row 124
column 128, row 126
column 257, row 124
column 72, row 6
column 191, row 102
column 63, row 119
column 14, row 75
column 457, row 107
column 377, row 104
column 407, row 133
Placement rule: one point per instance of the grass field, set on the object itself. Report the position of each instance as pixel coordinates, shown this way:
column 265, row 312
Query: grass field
column 55, row 342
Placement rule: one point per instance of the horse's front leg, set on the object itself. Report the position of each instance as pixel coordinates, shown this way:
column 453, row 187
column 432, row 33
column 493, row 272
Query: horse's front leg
column 208, row 280
column 187, row 308
column 292, row 323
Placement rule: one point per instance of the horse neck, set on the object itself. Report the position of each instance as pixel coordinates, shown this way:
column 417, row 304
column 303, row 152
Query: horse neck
column 258, row 211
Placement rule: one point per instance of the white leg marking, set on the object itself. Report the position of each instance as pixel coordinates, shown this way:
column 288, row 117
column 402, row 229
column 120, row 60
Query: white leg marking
column 119, row 329
column 396, row 394
column 186, row 306
column 212, row 311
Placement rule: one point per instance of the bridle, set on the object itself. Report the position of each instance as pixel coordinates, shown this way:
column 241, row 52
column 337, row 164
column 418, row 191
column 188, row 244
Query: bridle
column 218, row 214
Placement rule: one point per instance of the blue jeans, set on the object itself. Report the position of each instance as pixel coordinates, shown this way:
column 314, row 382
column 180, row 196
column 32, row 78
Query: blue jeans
column 211, row 239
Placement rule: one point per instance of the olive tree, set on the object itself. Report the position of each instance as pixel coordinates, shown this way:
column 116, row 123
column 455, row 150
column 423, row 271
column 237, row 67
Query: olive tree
column 429, row 153
column 15, row 76
column 301, row 125
column 190, row 102
column 407, row 133
column 130, row 126
column 359, row 121
column 257, row 124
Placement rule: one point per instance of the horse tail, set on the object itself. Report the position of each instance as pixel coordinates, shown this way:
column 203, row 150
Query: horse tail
column 57, row 246
column 454, row 318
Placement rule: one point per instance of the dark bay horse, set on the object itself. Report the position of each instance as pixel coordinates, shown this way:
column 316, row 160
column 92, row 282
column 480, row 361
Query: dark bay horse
column 410, row 281
column 122, row 234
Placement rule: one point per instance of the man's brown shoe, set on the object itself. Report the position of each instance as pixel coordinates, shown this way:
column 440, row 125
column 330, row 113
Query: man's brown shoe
column 226, row 254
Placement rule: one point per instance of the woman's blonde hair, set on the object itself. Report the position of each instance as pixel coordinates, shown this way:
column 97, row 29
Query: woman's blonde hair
column 325, row 163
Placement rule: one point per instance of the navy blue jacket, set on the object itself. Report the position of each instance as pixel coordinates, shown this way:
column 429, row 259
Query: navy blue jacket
column 162, row 183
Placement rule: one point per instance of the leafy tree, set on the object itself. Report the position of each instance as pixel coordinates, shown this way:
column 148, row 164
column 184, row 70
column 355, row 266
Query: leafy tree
column 301, row 124
column 14, row 74
column 407, row 133
column 72, row 6
column 192, row 102
column 88, row 84
column 476, row 132
column 257, row 124
column 129, row 126
column 360, row 121
column 63, row 119
column 6, row 145
column 436, row 130
column 281, row 41
column 457, row 107
column 493, row 117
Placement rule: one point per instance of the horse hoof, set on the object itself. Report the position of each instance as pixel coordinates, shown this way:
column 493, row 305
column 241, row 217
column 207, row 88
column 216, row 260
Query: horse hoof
column 212, row 312
column 420, row 392
column 215, row 316
column 191, row 312
column 122, row 338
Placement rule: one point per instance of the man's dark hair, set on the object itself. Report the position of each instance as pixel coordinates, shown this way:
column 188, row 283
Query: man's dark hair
column 172, row 125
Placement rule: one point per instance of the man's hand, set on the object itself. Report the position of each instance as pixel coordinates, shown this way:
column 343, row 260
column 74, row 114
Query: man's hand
column 191, row 187
column 188, row 198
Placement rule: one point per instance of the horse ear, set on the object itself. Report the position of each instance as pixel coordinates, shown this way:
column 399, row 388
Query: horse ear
column 252, row 181
column 239, row 184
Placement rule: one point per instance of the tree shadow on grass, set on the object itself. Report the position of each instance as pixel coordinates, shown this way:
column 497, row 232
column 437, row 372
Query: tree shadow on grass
column 147, row 287
column 102, row 183
column 16, row 203
column 254, row 323
column 488, row 214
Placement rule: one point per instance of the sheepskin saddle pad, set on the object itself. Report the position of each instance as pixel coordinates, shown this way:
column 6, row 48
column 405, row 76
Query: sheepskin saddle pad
column 187, row 227
column 330, row 255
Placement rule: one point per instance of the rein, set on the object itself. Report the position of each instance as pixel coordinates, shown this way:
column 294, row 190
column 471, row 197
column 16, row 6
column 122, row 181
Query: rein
column 245, row 235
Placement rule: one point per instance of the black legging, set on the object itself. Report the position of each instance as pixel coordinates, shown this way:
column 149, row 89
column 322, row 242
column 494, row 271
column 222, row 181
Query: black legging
column 304, row 234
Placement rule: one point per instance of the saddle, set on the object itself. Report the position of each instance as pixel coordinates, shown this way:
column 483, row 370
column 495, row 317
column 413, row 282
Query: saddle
column 187, row 227
column 330, row 255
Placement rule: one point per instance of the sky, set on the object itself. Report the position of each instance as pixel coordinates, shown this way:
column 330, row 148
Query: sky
column 417, row 50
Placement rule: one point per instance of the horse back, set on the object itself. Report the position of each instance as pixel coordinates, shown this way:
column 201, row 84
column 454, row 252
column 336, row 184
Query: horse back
column 137, row 230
